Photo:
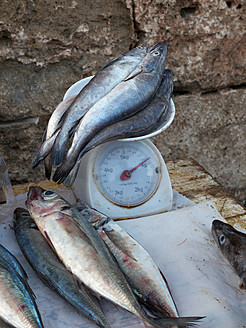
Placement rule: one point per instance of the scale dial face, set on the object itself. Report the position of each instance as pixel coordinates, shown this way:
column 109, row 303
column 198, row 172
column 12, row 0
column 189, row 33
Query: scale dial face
column 127, row 173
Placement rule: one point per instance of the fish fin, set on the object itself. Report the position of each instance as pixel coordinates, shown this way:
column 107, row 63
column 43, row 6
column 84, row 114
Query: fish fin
column 81, row 205
column 180, row 322
column 111, row 62
column 37, row 159
column 62, row 171
column 121, row 249
column 65, row 221
column 149, row 310
column 133, row 74
column 169, row 289
column 44, row 134
column 47, row 167
column 69, row 181
column 94, row 296
column 59, row 149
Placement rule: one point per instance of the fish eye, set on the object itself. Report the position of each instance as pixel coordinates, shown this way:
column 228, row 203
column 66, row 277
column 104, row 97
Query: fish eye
column 48, row 194
column 222, row 239
column 156, row 53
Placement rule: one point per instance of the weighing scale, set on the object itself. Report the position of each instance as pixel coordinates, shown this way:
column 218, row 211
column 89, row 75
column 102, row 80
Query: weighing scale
column 125, row 178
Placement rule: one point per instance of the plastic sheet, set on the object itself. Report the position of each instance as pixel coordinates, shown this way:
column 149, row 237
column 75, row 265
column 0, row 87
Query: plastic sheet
column 201, row 279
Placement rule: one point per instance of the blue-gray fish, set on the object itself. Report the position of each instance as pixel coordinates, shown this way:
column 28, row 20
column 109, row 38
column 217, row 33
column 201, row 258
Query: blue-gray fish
column 142, row 123
column 233, row 245
column 51, row 270
column 85, row 254
column 9, row 257
column 126, row 99
column 49, row 137
column 102, row 83
column 17, row 301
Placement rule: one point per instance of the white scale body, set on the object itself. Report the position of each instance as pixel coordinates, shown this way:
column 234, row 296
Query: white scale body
column 126, row 178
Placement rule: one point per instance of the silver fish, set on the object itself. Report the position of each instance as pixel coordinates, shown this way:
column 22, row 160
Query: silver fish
column 17, row 302
column 233, row 245
column 51, row 270
column 142, row 273
column 126, row 99
column 142, row 123
column 102, row 83
column 85, row 254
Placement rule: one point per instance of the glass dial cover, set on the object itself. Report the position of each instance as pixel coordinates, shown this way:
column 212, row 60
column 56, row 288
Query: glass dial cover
column 127, row 173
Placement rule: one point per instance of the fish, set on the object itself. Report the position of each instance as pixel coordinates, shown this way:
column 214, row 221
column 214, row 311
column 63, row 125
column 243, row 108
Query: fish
column 233, row 245
column 85, row 254
column 4, row 324
column 51, row 271
column 142, row 123
column 50, row 134
column 126, row 99
column 17, row 302
column 100, row 85
column 141, row 271
column 9, row 257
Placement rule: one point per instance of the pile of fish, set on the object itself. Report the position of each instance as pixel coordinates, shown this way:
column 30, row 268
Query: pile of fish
column 128, row 97
column 83, row 255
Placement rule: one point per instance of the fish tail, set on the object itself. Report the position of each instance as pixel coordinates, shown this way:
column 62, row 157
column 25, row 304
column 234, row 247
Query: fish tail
column 69, row 181
column 59, row 149
column 36, row 160
column 63, row 170
column 180, row 322
column 47, row 167
column 43, row 151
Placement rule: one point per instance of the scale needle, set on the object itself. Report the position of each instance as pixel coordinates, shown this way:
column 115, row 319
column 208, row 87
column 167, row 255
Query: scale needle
column 125, row 175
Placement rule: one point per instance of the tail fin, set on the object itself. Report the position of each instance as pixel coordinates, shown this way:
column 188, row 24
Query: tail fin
column 181, row 322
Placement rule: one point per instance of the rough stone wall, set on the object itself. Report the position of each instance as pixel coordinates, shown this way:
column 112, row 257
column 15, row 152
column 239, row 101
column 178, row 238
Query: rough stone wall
column 206, row 52
column 45, row 46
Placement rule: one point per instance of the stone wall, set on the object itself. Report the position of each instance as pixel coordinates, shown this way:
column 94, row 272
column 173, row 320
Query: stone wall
column 45, row 46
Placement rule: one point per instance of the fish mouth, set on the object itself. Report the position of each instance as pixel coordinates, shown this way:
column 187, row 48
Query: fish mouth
column 33, row 193
column 159, row 45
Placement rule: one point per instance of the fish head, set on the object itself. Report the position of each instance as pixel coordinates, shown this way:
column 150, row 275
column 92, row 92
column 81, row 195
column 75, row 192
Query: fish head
column 155, row 58
column 231, row 241
column 139, row 52
column 22, row 218
column 153, row 62
column 41, row 202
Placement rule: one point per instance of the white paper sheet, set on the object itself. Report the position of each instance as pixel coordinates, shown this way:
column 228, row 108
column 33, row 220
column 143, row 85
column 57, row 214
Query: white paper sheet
column 201, row 280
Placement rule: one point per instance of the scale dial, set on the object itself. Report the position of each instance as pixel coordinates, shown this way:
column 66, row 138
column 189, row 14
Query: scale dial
column 127, row 173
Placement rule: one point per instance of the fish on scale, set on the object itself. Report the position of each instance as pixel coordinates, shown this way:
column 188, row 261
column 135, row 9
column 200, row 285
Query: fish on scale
column 125, row 99
column 99, row 86
column 142, row 123
column 85, row 254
